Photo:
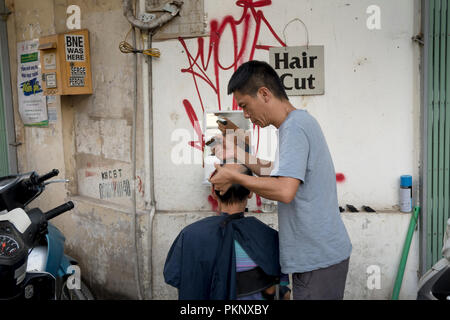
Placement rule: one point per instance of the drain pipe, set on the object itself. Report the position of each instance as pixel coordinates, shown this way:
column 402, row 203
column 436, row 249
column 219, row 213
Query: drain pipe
column 134, row 230
column 152, row 163
column 148, row 137
column 149, row 195
column 146, row 94
column 172, row 8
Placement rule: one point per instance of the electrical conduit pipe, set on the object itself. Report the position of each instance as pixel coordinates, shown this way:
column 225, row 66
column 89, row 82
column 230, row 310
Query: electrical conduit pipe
column 150, row 27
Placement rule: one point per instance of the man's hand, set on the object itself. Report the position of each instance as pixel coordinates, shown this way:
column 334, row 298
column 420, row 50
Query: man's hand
column 229, row 126
column 224, row 149
column 222, row 178
column 231, row 146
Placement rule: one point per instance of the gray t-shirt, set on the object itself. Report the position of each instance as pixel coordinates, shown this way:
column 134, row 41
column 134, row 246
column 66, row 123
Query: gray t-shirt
column 311, row 231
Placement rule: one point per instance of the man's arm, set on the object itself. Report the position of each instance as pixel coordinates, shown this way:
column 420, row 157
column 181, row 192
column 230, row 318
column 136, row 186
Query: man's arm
column 262, row 168
column 281, row 189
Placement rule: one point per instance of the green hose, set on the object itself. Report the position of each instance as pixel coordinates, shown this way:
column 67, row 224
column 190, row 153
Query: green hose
column 406, row 246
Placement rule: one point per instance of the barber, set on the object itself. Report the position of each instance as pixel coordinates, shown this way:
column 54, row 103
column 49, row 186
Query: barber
column 314, row 244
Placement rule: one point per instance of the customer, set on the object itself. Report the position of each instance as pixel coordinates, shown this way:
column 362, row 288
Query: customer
column 228, row 256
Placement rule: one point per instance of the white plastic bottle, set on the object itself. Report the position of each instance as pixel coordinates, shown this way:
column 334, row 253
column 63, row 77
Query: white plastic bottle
column 406, row 193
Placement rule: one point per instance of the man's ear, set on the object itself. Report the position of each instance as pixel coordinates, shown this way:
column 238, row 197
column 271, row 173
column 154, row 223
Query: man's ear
column 250, row 195
column 265, row 93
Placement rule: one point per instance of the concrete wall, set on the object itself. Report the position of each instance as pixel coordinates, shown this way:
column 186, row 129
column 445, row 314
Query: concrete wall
column 92, row 136
column 377, row 240
column 369, row 115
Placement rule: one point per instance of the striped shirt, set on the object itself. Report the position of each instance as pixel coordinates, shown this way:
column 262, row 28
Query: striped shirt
column 244, row 263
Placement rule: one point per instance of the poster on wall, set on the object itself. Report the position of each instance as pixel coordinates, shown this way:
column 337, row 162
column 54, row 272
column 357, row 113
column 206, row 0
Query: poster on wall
column 301, row 69
column 32, row 102
column 52, row 109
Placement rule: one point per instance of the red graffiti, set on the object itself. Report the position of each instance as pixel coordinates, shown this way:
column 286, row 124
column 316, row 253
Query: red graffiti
column 90, row 174
column 258, row 201
column 199, row 144
column 340, row 177
column 199, row 63
column 140, row 190
column 214, row 204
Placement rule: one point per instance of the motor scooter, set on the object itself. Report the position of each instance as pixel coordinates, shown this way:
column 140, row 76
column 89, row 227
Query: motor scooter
column 435, row 283
column 33, row 265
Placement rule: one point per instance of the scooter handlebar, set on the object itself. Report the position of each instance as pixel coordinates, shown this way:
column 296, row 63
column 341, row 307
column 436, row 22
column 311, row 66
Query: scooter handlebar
column 59, row 210
column 49, row 175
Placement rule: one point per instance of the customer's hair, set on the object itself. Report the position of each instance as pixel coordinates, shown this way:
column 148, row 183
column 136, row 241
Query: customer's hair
column 237, row 193
column 252, row 75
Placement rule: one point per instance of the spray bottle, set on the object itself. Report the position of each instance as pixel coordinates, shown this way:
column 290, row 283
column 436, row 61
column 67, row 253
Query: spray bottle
column 406, row 193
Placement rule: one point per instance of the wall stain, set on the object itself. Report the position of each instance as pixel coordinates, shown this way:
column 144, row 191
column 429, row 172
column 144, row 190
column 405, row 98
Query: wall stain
column 365, row 224
column 174, row 117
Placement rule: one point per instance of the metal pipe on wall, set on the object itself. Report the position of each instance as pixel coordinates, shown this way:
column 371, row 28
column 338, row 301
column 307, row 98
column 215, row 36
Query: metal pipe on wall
column 148, row 146
column 150, row 202
column 152, row 167
column 133, row 146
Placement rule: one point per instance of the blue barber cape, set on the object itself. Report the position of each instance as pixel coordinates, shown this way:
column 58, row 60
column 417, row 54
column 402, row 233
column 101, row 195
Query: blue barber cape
column 202, row 264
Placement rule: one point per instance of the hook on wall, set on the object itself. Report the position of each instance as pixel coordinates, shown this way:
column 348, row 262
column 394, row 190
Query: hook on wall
column 306, row 29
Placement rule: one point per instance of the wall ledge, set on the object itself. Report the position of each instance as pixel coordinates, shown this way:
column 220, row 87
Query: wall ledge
column 254, row 214
column 128, row 210
column 107, row 205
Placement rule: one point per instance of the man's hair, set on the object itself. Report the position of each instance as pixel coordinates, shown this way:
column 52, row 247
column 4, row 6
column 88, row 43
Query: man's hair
column 237, row 193
column 252, row 75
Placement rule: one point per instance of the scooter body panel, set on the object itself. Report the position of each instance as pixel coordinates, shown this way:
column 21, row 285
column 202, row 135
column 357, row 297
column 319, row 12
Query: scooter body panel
column 37, row 259
column 433, row 286
column 50, row 257
column 57, row 262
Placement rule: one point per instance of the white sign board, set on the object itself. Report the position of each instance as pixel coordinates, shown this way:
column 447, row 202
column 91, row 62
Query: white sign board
column 301, row 69
column 74, row 47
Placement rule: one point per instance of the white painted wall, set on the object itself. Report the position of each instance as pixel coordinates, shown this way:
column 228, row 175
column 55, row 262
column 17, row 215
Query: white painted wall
column 369, row 112
column 377, row 240
column 369, row 115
